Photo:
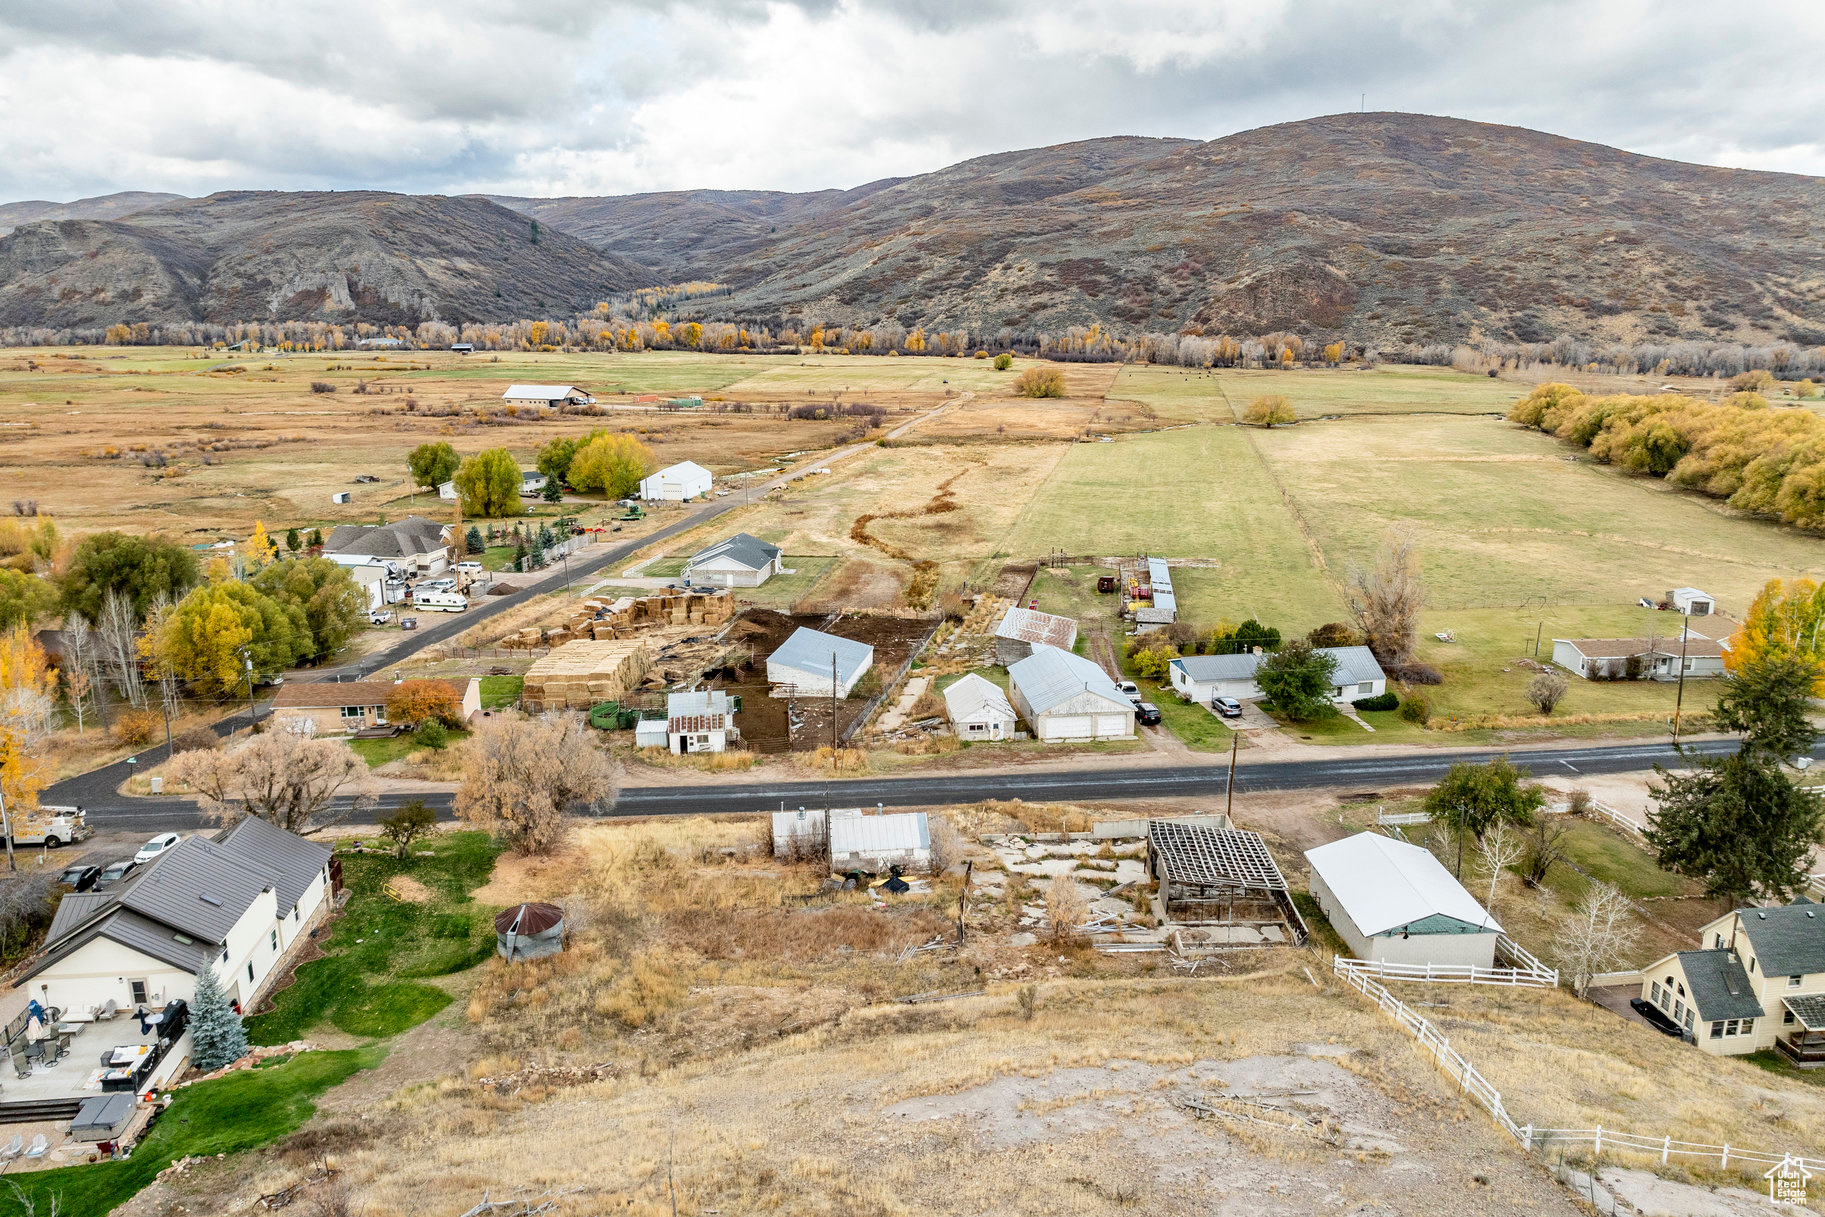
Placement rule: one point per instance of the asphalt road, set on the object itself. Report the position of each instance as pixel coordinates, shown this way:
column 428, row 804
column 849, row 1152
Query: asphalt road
column 1179, row 781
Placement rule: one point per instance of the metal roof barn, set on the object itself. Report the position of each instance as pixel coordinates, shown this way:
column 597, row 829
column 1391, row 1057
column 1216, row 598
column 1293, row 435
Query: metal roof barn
column 863, row 842
column 1393, row 901
column 804, row 662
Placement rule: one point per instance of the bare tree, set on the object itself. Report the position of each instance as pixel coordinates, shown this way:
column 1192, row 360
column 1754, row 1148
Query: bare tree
column 118, row 630
column 521, row 776
column 1387, row 600
column 1598, row 935
column 1546, row 691
column 285, row 778
column 1500, row 848
column 1544, row 837
column 946, row 844
column 170, row 688
column 79, row 645
column 1065, row 907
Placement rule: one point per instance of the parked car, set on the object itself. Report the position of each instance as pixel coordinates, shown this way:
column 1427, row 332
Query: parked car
column 79, row 878
column 156, row 846
column 408, row 623
column 380, row 616
column 1655, row 1019
column 1129, row 689
column 1146, row 714
column 1227, row 707
column 114, row 872
column 470, row 567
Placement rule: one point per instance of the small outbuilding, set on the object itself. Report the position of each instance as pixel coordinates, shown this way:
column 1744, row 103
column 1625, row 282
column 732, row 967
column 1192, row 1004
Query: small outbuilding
column 529, row 931
column 874, row 843
column 809, row 661
column 743, row 560
column 979, row 710
column 676, row 483
column 1216, row 876
column 1394, row 902
column 1692, row 602
column 1022, row 629
column 1066, row 697
column 546, row 395
column 703, row 721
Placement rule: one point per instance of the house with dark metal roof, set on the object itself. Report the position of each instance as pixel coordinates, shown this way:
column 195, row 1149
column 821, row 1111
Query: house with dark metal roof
column 1759, row 983
column 235, row 903
column 743, row 560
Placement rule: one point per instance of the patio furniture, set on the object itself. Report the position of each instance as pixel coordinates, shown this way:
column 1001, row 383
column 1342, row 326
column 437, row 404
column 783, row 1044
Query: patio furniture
column 13, row 1148
column 106, row 1011
column 68, row 1027
column 39, row 1145
column 51, row 1051
column 21, row 1066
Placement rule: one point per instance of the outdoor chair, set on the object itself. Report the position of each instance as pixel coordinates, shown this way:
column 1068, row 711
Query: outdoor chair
column 39, row 1145
column 34, row 1051
column 21, row 1066
column 12, row 1149
column 106, row 1011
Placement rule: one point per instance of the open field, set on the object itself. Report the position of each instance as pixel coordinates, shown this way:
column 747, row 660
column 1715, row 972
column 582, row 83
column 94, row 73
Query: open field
column 1222, row 394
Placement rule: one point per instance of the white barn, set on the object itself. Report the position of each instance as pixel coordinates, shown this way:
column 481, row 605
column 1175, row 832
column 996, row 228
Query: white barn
column 979, row 710
column 1066, row 697
column 805, row 663
column 874, row 843
column 1202, row 677
column 675, row 483
column 742, row 560
column 546, row 395
column 235, row 904
column 1395, row 902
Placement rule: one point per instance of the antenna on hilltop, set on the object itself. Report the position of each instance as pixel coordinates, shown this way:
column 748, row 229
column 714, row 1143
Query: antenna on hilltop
column 1362, row 106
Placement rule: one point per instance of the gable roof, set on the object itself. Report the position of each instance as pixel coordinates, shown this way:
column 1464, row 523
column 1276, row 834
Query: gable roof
column 405, row 538
column 1354, row 665
column 1718, row 986
column 1788, row 941
column 198, row 888
column 742, row 548
column 1697, row 646
column 682, row 469
column 333, row 694
column 976, row 696
column 541, row 392
column 1049, row 677
column 1384, row 884
column 809, row 650
column 294, row 860
column 1031, row 625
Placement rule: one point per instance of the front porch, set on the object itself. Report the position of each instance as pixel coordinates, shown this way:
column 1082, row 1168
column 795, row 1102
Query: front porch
column 1804, row 1043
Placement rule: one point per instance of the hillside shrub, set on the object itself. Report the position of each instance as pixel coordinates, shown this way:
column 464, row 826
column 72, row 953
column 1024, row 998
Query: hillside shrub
column 1381, row 701
column 1415, row 709
column 1003, row 362
column 195, row 739
column 1040, row 382
column 322, row 386
column 136, row 728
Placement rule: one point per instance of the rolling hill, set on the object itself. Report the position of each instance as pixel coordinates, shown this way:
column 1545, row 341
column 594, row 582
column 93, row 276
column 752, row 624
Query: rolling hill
column 101, row 207
column 331, row 256
column 1386, row 228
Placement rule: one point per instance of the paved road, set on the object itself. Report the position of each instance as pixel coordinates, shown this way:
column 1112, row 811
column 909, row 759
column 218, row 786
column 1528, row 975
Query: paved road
column 1365, row 773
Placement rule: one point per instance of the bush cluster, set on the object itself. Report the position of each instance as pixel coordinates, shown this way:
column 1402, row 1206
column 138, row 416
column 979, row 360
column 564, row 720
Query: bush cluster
column 1382, row 701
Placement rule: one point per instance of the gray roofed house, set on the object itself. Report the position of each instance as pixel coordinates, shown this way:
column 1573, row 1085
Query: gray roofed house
column 1201, row 677
column 1067, row 697
column 804, row 662
column 296, row 862
column 743, row 560
column 413, row 541
column 1719, row 986
column 1758, row 986
column 1789, row 941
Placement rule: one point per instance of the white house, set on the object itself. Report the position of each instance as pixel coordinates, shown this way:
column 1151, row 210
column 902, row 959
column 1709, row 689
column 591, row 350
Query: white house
column 546, row 395
column 1022, row 629
column 805, row 663
column 675, row 483
column 978, row 709
column 1201, row 677
column 1640, row 658
column 1395, row 902
column 413, row 545
column 703, row 721
column 236, row 904
column 742, row 560
column 372, row 580
column 531, row 483
column 1692, row 602
column 1066, row 697
column 1759, row 983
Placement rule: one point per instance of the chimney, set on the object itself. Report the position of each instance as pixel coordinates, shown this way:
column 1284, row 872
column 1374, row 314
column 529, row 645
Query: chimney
column 1257, row 650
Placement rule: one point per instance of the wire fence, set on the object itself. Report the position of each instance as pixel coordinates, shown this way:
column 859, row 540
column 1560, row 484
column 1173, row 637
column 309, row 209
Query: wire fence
column 1478, row 1088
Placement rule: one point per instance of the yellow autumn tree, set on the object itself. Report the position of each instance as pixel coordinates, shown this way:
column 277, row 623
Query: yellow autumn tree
column 915, row 341
column 1786, row 618
column 538, row 332
column 27, row 711
column 259, row 545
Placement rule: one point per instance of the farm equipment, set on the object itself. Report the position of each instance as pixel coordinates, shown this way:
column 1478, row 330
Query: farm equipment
column 612, row 716
column 634, row 512
column 1105, row 583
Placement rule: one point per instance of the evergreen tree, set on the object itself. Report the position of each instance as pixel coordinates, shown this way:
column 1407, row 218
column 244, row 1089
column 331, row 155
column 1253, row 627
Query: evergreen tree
column 316, row 536
column 1769, row 703
column 217, row 1037
column 293, row 541
column 519, row 556
column 472, row 540
column 536, row 553
column 552, row 492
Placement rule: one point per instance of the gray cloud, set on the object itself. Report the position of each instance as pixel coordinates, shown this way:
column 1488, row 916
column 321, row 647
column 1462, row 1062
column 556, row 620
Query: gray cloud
column 608, row 96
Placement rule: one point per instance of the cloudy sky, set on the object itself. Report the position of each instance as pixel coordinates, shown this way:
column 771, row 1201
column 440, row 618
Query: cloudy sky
column 599, row 96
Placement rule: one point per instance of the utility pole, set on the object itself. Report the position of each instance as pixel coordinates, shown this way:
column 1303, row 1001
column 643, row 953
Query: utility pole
column 6, row 824
column 1538, row 630
column 1229, row 796
column 1679, row 696
column 253, row 714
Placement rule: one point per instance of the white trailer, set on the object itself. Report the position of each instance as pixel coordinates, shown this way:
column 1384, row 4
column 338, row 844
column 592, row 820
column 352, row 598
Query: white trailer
column 441, row 602
column 49, row 826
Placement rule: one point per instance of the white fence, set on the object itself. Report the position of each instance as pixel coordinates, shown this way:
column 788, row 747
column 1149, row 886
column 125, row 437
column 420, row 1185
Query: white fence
column 1476, row 1086
column 1603, row 811
column 1383, row 819
column 1815, row 886
column 1528, row 972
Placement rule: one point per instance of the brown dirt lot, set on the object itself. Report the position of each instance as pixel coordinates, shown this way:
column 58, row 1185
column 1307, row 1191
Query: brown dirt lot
column 770, row 724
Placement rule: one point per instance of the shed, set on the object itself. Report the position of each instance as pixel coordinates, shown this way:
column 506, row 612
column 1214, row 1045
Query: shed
column 799, row 834
column 701, row 721
column 1022, row 629
column 529, row 931
column 1165, row 604
column 743, row 560
column 675, row 483
column 874, row 843
column 546, row 395
column 978, row 709
column 1222, row 876
column 1394, row 902
column 1066, row 697
column 1692, row 602
column 804, row 663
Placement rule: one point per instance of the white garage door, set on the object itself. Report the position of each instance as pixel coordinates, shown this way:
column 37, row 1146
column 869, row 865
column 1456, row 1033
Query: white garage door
column 1070, row 726
column 1113, row 725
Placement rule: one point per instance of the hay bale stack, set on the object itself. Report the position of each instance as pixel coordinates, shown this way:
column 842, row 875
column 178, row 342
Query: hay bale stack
column 585, row 672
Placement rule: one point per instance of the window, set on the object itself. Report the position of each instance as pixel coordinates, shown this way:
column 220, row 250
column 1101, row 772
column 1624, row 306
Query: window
column 1719, row 942
column 250, row 970
column 351, row 711
column 1682, row 989
column 1793, row 982
column 1658, row 993
column 1787, row 1018
column 1717, row 1031
column 1366, row 687
column 1752, row 963
column 1679, row 1011
column 1748, row 1027
column 275, row 940
column 136, row 992
column 1691, row 1017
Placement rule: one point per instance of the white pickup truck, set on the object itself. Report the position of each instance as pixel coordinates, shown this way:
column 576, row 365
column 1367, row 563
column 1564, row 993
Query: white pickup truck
column 50, row 826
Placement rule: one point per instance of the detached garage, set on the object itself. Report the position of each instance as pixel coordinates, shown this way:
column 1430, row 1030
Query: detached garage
column 1066, row 697
column 676, row 483
column 1395, row 902
column 810, row 659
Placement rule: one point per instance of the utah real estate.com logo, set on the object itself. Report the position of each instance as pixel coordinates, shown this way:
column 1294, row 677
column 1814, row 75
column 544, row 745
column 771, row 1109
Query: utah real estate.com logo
column 1787, row 1181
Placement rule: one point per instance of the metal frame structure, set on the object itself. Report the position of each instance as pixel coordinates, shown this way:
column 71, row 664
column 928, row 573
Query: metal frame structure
column 1203, row 872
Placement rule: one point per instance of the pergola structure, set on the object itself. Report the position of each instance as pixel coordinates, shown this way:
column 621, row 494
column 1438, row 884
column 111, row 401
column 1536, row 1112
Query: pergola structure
column 1805, row 1044
column 1219, row 876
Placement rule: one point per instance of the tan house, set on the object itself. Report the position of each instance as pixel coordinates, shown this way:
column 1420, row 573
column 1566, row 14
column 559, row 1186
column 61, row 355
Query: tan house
column 345, row 707
column 1759, row 983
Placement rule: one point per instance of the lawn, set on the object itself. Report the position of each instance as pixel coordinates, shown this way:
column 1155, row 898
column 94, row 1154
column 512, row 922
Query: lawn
column 499, row 691
column 377, row 752
column 366, row 984
column 1390, row 728
column 228, row 1115
column 782, row 591
column 1385, row 389
column 1196, row 492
